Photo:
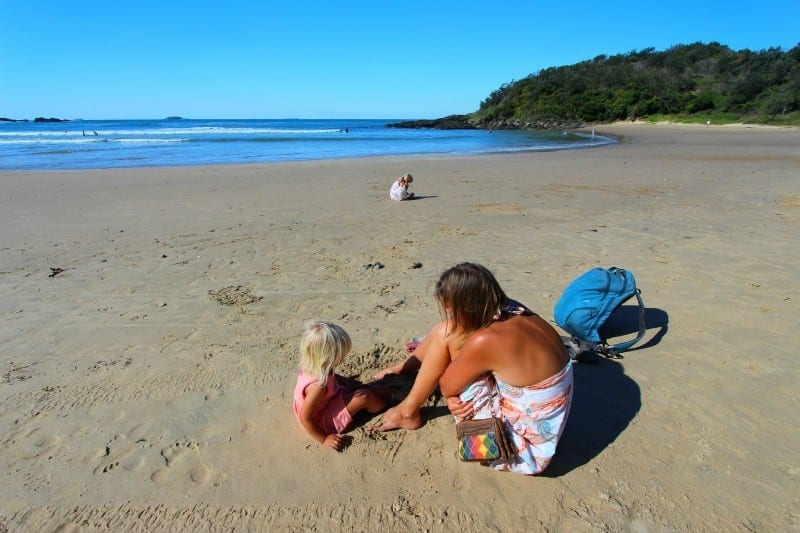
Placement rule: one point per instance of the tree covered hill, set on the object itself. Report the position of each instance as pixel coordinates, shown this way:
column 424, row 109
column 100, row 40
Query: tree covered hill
column 685, row 79
column 701, row 80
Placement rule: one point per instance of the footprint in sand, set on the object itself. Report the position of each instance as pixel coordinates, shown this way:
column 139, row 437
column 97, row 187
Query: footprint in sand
column 120, row 454
column 38, row 442
column 183, row 460
column 178, row 451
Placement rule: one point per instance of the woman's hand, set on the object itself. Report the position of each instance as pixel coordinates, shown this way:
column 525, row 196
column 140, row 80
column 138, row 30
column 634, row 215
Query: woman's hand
column 459, row 408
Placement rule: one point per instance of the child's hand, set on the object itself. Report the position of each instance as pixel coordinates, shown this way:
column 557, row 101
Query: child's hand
column 377, row 376
column 335, row 441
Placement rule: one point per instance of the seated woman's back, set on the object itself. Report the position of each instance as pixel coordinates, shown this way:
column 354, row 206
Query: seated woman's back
column 521, row 350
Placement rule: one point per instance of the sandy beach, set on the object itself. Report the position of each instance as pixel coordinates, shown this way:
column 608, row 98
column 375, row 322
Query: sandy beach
column 146, row 382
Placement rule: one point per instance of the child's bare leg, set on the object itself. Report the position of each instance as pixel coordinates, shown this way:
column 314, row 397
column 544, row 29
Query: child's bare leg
column 365, row 399
column 406, row 414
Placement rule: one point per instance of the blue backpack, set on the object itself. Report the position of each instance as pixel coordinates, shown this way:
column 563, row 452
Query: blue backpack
column 587, row 303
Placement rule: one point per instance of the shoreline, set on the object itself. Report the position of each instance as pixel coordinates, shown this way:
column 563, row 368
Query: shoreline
column 144, row 385
column 621, row 132
column 148, row 145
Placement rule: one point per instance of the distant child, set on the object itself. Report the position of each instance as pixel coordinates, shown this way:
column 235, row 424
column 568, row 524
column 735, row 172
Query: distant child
column 399, row 190
column 323, row 403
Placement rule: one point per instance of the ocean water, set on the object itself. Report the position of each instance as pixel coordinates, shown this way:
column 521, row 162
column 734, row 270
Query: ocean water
column 83, row 144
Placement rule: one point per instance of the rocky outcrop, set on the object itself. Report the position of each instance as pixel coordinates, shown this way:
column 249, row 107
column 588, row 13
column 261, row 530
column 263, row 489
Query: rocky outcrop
column 51, row 119
column 541, row 124
column 450, row 122
column 466, row 122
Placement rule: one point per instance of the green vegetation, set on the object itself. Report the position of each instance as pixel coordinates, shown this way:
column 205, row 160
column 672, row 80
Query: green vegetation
column 686, row 83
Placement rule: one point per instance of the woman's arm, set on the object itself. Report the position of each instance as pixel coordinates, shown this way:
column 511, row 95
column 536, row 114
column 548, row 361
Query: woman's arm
column 473, row 360
column 315, row 396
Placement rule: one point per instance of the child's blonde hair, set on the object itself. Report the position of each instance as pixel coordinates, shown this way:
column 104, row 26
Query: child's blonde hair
column 408, row 178
column 322, row 347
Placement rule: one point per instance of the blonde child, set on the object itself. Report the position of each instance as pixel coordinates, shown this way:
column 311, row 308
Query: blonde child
column 399, row 190
column 323, row 404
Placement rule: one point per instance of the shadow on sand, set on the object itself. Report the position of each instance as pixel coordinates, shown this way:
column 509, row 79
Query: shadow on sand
column 625, row 321
column 604, row 402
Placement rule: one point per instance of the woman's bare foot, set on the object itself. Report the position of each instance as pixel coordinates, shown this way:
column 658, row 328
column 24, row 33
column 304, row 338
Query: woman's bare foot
column 393, row 418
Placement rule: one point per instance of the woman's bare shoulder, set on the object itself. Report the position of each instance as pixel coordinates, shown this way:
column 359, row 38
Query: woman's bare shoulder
column 484, row 341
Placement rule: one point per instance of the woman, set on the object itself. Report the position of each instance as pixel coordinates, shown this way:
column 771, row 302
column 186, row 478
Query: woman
column 487, row 342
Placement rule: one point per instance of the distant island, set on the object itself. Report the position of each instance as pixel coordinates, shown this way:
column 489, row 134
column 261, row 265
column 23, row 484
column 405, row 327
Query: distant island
column 686, row 83
column 174, row 118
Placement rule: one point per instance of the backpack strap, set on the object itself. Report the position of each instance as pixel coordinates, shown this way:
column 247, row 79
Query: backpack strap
column 615, row 349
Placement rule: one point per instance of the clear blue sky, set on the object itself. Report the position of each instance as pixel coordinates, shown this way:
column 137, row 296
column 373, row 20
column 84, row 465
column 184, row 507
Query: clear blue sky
column 369, row 59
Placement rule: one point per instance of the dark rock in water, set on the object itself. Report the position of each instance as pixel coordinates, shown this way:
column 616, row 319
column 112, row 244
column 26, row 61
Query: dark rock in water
column 174, row 118
column 450, row 122
column 465, row 122
column 51, row 119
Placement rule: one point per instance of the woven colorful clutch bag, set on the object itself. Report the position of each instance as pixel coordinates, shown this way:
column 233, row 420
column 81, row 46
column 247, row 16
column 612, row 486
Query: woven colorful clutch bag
column 482, row 440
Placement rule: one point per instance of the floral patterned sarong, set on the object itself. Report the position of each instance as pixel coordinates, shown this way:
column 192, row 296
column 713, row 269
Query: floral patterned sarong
column 534, row 416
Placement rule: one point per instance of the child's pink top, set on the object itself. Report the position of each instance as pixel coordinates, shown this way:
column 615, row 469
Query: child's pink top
column 333, row 417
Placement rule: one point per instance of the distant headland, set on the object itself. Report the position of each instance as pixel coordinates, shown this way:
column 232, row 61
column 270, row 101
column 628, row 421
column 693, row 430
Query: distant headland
column 695, row 83
column 37, row 119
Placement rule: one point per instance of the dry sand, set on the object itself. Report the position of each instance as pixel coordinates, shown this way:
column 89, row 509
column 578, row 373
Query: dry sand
column 148, row 385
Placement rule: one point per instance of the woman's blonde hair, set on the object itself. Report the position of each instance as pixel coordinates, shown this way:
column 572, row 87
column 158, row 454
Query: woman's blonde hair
column 471, row 295
column 323, row 347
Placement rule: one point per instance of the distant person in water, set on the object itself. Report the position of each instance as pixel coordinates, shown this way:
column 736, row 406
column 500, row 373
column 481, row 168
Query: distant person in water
column 399, row 190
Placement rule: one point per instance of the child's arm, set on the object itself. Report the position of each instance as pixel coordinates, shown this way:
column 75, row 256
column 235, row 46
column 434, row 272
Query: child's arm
column 315, row 396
